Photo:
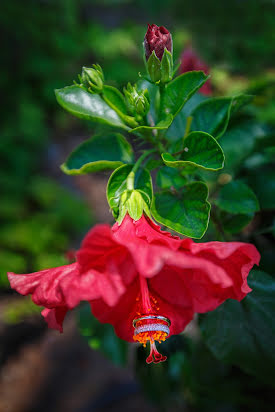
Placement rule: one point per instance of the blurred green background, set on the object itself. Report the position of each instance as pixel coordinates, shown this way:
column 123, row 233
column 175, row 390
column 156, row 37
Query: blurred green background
column 44, row 45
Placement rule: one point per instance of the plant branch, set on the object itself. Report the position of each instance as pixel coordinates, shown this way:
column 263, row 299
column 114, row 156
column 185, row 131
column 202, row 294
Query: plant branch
column 141, row 158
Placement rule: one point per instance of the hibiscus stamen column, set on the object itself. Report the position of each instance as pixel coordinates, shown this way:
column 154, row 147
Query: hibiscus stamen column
column 150, row 326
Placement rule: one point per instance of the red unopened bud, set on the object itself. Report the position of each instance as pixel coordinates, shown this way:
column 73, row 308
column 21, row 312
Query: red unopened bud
column 157, row 38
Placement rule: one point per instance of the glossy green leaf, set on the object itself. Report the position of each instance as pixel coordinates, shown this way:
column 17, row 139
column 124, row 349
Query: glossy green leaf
column 161, row 125
column 242, row 333
column 118, row 184
column 200, row 149
column 238, row 142
column 177, row 129
column 116, row 101
column 88, row 106
column 186, row 212
column 212, row 116
column 237, row 198
column 179, row 90
column 101, row 152
column 168, row 177
column 115, row 98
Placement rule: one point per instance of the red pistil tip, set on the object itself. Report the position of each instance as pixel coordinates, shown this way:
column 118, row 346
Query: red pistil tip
column 152, row 328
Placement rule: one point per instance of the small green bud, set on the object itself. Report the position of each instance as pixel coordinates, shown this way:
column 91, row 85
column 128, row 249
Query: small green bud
column 138, row 101
column 92, row 78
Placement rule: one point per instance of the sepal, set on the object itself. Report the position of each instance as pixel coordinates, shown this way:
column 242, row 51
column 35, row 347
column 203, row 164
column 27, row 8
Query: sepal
column 166, row 67
column 160, row 70
column 153, row 67
column 133, row 203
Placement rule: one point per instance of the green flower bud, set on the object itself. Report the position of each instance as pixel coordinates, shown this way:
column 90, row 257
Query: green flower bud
column 92, row 78
column 138, row 101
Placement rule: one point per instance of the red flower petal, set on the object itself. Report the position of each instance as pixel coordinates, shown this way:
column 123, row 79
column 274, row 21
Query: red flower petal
column 55, row 317
column 44, row 285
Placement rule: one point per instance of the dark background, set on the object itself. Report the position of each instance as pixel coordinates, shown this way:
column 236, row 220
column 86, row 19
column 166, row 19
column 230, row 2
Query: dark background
column 44, row 213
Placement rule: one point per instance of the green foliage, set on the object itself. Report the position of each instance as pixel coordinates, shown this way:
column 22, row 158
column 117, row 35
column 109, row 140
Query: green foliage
column 237, row 198
column 186, row 212
column 212, row 115
column 88, row 106
column 38, row 217
column 242, row 332
column 180, row 90
column 200, row 149
column 87, row 157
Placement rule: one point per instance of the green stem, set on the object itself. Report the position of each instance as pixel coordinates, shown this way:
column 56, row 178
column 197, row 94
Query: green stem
column 161, row 101
column 188, row 125
column 130, row 182
column 141, row 158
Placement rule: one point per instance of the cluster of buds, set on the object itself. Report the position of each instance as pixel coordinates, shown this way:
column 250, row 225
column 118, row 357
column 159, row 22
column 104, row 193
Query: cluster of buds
column 92, row 78
column 138, row 100
column 158, row 48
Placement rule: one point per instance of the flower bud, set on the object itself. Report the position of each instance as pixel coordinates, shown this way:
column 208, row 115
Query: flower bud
column 138, row 101
column 157, row 39
column 92, row 78
column 158, row 53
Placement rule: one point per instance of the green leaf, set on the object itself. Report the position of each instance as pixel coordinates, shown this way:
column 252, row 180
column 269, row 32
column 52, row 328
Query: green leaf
column 212, row 116
column 177, row 129
column 116, row 101
column 168, row 177
column 115, row 98
column 200, row 149
column 238, row 142
column 234, row 223
column 237, row 198
column 100, row 152
column 179, row 90
column 88, row 106
column 161, row 125
column 186, row 212
column 240, row 101
column 118, row 184
column 242, row 333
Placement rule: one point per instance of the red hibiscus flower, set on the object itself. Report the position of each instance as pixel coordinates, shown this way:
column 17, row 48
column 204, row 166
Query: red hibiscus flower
column 190, row 61
column 145, row 282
